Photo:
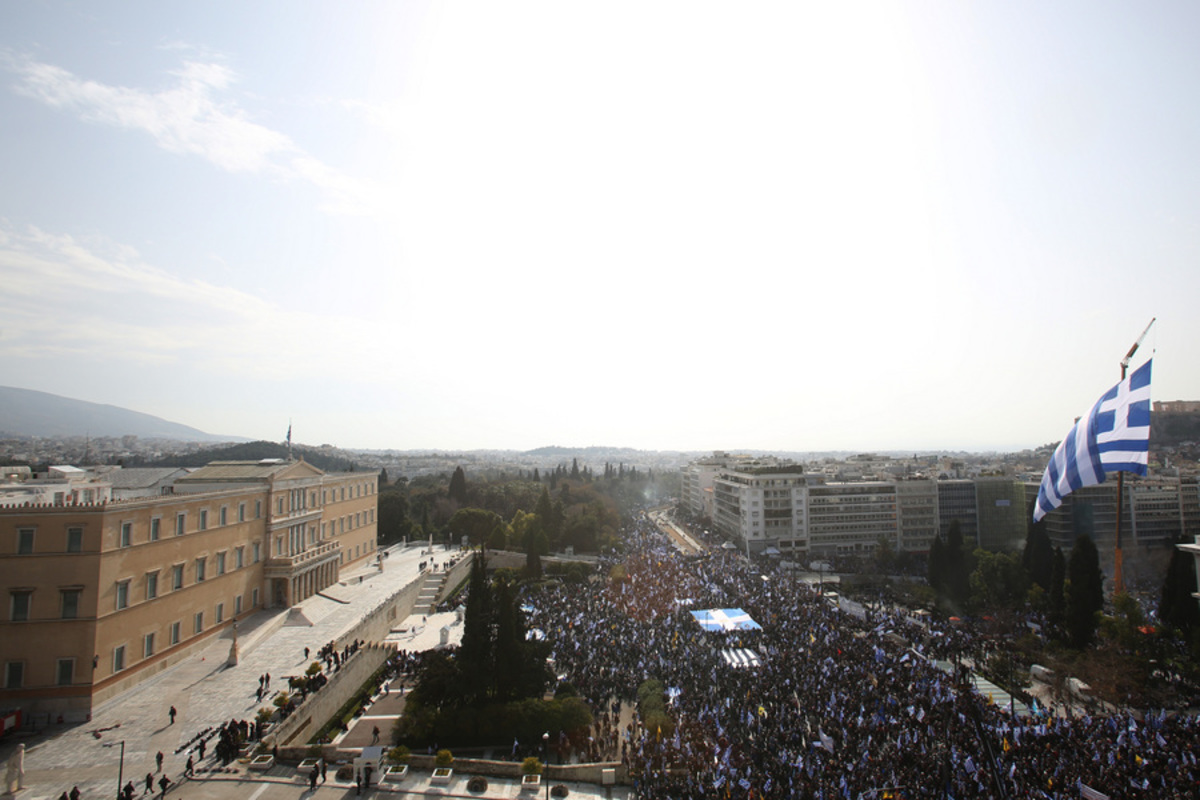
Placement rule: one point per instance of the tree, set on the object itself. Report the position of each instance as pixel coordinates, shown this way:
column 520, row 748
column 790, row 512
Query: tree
column 1038, row 557
column 534, row 543
column 383, row 479
column 1178, row 607
column 475, row 653
column 937, row 564
column 394, row 523
column 958, row 575
column 474, row 523
column 1057, row 590
column 1085, row 596
column 458, row 487
column 998, row 582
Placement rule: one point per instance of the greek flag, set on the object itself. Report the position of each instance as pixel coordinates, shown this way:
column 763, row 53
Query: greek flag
column 1113, row 436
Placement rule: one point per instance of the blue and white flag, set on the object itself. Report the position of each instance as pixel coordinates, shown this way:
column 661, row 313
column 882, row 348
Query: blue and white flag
column 1114, row 436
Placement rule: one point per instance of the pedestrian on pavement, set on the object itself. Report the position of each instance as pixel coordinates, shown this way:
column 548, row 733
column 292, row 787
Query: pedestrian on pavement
column 63, row 796
column 267, row 685
column 187, row 769
column 172, row 713
column 201, row 748
column 357, row 783
column 127, row 792
column 375, row 734
column 157, row 761
column 312, row 779
column 74, row 793
column 306, row 654
column 322, row 770
column 163, row 783
column 149, row 783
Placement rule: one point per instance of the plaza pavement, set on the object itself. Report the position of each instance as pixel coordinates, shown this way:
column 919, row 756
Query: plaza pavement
column 207, row 693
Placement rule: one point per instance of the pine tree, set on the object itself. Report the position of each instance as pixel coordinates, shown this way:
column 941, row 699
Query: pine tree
column 575, row 469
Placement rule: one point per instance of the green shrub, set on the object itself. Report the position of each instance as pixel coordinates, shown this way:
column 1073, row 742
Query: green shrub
column 399, row 754
column 531, row 766
column 444, row 758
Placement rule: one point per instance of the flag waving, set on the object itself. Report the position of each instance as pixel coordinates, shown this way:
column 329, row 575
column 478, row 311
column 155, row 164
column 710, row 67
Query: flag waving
column 1114, row 436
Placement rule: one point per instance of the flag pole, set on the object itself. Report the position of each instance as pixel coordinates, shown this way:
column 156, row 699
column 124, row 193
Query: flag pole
column 1118, row 569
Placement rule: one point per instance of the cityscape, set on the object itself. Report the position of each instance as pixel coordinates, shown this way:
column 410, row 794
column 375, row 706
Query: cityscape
column 642, row 401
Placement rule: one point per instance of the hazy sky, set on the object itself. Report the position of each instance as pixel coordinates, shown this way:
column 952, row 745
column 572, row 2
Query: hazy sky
column 793, row 226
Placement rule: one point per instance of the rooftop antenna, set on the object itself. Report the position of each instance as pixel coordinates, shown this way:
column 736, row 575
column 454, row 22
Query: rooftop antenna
column 1118, row 558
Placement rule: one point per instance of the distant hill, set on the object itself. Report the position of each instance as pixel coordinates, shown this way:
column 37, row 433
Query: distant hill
column 24, row 412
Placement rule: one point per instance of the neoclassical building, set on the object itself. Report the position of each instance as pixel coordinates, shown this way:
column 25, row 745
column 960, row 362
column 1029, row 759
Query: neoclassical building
column 102, row 595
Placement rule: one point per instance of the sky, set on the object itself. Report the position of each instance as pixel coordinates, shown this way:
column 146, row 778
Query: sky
column 666, row 225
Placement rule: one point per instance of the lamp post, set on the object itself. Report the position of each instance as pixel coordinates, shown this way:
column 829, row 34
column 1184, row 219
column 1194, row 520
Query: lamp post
column 121, row 768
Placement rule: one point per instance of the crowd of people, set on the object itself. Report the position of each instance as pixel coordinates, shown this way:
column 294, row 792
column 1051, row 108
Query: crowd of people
column 838, row 707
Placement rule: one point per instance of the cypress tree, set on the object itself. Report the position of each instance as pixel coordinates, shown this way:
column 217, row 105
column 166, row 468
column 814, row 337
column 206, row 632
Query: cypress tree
column 1057, row 588
column 1178, row 607
column 476, row 652
column 1085, row 599
column 1038, row 557
column 458, row 486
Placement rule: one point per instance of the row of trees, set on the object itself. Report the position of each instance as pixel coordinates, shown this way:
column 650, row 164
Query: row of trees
column 493, row 683
column 1067, row 588
column 506, row 511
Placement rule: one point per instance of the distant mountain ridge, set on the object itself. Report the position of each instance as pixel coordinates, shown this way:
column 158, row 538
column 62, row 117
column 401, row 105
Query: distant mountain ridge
column 25, row 412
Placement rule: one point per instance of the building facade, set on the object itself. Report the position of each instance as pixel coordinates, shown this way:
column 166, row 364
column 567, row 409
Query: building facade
column 103, row 595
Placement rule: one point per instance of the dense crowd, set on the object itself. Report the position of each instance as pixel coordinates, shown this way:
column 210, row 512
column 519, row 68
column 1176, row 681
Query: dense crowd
column 840, row 707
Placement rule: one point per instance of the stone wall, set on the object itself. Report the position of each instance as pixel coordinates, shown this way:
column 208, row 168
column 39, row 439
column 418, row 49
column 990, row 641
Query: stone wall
column 319, row 708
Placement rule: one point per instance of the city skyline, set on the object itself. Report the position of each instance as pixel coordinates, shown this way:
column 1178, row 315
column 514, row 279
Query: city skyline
column 660, row 226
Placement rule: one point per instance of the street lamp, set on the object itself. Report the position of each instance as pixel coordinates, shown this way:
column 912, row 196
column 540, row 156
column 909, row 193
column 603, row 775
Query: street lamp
column 121, row 768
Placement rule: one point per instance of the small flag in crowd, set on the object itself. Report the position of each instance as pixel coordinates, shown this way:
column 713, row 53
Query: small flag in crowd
column 1114, row 436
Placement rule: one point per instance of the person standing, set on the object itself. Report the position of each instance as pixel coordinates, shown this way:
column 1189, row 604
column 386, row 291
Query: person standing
column 149, row 783
column 172, row 714
column 157, row 761
column 312, row 778
column 163, row 783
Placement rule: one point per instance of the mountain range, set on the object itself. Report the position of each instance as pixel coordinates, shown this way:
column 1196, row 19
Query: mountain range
column 25, row 412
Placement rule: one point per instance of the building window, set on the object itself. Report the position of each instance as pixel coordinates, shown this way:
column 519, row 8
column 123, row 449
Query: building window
column 24, row 541
column 21, row 600
column 180, row 521
column 118, row 658
column 198, row 623
column 239, row 558
column 155, row 525
column 237, row 605
column 74, row 540
column 224, row 516
column 151, row 585
column 148, row 645
column 203, row 523
column 70, row 603
column 64, row 671
column 220, row 613
column 174, row 633
column 122, row 595
column 258, row 509
column 201, row 563
column 177, row 577
column 14, row 674
column 279, row 506
column 254, row 598
column 257, row 552
column 221, row 563
column 126, row 534
column 241, row 512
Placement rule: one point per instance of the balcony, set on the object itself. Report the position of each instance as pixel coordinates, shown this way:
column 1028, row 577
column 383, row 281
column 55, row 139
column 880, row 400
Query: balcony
column 290, row 566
